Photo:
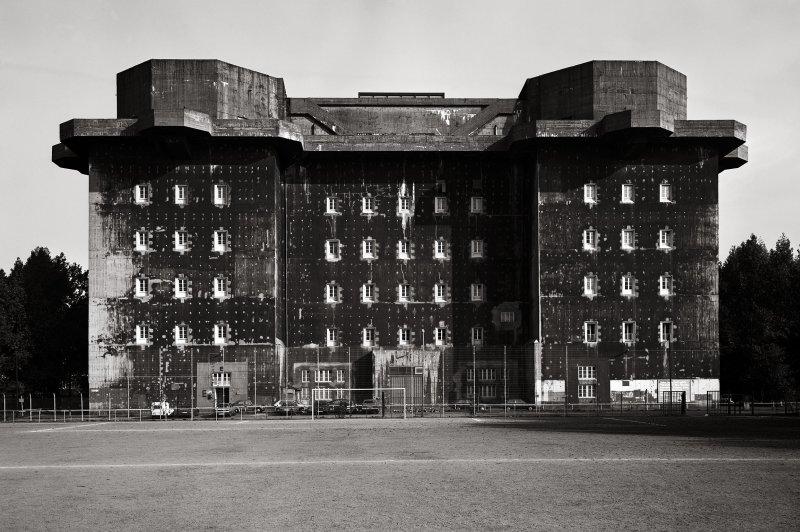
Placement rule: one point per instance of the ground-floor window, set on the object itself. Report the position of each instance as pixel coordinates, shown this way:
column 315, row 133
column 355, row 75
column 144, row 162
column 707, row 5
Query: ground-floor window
column 322, row 394
column 586, row 391
column 488, row 390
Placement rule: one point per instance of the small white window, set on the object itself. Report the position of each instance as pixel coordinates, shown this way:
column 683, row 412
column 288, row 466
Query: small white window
column 332, row 250
column 220, row 241
column 587, row 391
column 628, row 332
column 404, row 336
column 665, row 193
column 590, row 193
column 221, row 194
column 367, row 205
column 627, row 193
column 477, row 292
column 590, row 285
column 339, row 375
column 440, row 205
column 181, row 334
column 590, row 332
column 476, row 249
column 141, row 240
column 586, row 373
column 368, row 249
column 476, row 205
column 626, row 285
column 322, row 375
column 404, row 205
column 220, row 333
column 403, row 249
column 142, row 287
column 506, row 316
column 331, row 293
column 181, row 288
column 477, row 336
column 440, row 335
column 439, row 249
column 665, row 239
column 440, row 293
column 331, row 336
column 590, row 239
column 628, row 239
column 304, row 375
column 368, row 337
column 220, row 288
column 665, row 285
column 665, row 332
column 181, row 240
column 141, row 194
column 367, row 293
column 142, row 334
column 330, row 205
column 181, row 195
column 403, row 292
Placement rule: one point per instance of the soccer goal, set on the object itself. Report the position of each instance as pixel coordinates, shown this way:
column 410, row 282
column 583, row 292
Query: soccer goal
column 323, row 398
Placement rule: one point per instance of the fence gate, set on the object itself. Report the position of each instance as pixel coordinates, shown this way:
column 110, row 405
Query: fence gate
column 409, row 378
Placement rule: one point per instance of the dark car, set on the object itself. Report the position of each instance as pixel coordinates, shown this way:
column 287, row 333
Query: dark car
column 287, row 408
column 340, row 407
column 245, row 407
column 370, row 406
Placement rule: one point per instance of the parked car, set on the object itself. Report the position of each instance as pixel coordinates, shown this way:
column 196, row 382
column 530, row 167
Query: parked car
column 245, row 406
column 161, row 409
column 463, row 404
column 370, row 406
column 518, row 404
column 339, row 407
column 222, row 409
column 287, row 408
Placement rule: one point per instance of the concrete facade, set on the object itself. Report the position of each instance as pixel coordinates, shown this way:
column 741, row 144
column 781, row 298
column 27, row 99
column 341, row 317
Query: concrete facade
column 433, row 243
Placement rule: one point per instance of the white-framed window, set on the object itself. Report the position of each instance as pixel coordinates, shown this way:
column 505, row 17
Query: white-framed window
column 367, row 205
column 488, row 390
column 440, row 335
column 220, row 333
column 141, row 240
column 627, row 193
column 181, row 194
column 665, row 285
column 477, row 292
column 665, row 193
column 331, row 293
column 476, row 205
column 666, row 239
column 590, row 193
column 142, row 334
column 590, row 335
column 403, row 249
column 627, row 283
column 587, row 372
column 221, row 193
column 590, row 285
column 220, row 287
column 628, row 332
column 181, row 240
column 487, row 374
column 368, row 337
column 331, row 337
column 181, row 288
column 368, row 249
column 404, row 336
column 332, row 250
column 339, row 375
column 367, row 293
column 665, row 332
column 322, row 394
column 221, row 379
column 322, row 375
column 142, row 288
column 587, row 391
column 304, row 375
column 404, row 205
column 506, row 316
column 181, row 334
column 220, row 241
column 440, row 293
column 628, row 241
column 404, row 292
column 439, row 249
column 440, row 204
column 141, row 194
column 476, row 249
column 470, row 375
column 590, row 239
column 477, row 335
column 331, row 204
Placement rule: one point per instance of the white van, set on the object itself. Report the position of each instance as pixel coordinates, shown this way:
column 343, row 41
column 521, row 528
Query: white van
column 161, row 409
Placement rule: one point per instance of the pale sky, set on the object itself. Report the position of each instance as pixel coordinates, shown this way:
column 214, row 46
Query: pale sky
column 58, row 60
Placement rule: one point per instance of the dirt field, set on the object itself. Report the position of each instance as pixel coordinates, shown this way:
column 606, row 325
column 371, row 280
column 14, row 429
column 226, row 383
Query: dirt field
column 552, row 473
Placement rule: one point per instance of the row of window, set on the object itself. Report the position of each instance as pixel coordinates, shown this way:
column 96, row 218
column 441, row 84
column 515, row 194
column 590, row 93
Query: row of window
column 369, row 249
column 484, row 374
column 486, row 390
column 628, row 240
column 220, row 241
column 369, row 293
column 405, row 206
column 143, row 334
column 627, row 285
column 628, row 329
column 142, row 194
column 628, row 193
column 181, row 287
column 321, row 375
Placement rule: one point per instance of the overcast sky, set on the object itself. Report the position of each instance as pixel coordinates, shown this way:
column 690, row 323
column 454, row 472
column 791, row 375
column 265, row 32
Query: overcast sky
column 58, row 61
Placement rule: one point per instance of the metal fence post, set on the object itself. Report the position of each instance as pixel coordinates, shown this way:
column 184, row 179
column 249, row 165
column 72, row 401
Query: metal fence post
column 109, row 406
column 4, row 408
column 81, row 406
column 505, row 381
column 30, row 407
column 55, row 413
column 474, row 384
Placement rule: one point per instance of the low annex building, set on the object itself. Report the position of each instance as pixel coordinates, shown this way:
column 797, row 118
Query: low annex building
column 245, row 245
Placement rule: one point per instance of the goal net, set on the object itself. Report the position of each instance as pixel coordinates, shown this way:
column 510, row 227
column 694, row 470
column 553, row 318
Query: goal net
column 340, row 401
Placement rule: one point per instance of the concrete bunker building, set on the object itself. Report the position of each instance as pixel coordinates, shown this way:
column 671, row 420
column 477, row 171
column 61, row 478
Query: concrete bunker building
column 244, row 245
